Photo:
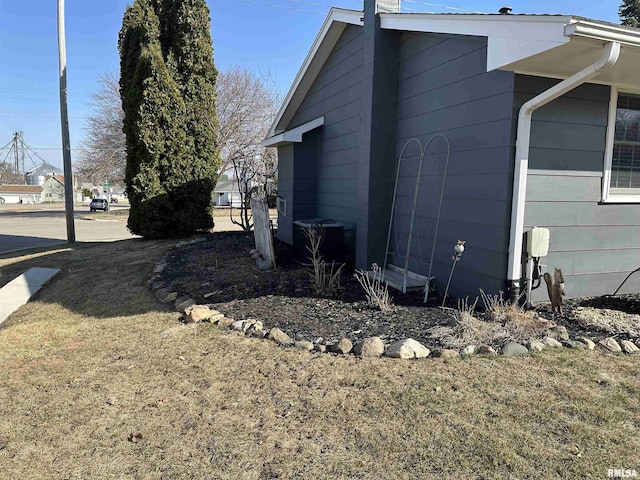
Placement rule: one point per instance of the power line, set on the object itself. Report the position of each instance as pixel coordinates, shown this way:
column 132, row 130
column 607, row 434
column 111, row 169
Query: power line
column 30, row 91
column 262, row 4
column 41, row 117
column 437, row 5
column 320, row 4
column 77, row 148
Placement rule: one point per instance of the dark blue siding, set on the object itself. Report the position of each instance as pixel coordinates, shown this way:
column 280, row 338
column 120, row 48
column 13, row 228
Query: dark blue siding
column 336, row 94
column 444, row 88
column 595, row 245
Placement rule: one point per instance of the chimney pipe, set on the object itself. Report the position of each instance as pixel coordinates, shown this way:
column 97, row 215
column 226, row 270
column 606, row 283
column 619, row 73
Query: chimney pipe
column 387, row 6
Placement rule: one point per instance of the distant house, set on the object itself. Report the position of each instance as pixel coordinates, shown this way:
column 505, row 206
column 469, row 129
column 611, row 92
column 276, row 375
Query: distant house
column 20, row 194
column 226, row 194
column 53, row 189
column 542, row 115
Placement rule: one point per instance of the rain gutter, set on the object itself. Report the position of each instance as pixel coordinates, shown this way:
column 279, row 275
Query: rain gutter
column 523, row 139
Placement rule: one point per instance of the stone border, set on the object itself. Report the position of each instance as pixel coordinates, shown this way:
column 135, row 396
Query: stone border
column 408, row 348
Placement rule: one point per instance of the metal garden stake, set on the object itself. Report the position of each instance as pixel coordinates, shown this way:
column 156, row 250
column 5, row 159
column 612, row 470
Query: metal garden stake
column 458, row 249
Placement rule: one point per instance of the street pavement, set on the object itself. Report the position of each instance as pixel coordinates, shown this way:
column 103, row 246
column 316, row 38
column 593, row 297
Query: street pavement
column 24, row 227
column 35, row 226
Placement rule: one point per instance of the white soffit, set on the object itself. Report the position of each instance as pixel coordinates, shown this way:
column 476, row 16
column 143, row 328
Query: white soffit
column 329, row 34
column 585, row 47
column 510, row 37
column 294, row 135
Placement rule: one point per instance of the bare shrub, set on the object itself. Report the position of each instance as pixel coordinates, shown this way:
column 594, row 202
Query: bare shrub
column 375, row 289
column 502, row 322
column 325, row 278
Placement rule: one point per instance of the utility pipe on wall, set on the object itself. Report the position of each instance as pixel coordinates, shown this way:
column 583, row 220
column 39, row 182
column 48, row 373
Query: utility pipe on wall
column 523, row 139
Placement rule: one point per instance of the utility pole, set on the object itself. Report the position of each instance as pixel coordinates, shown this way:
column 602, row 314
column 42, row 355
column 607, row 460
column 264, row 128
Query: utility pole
column 64, row 120
column 16, row 161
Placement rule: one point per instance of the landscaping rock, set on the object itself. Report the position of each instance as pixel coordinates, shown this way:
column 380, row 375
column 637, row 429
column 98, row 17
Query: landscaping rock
column 264, row 265
column 225, row 322
column 535, row 345
column 304, row 345
column 157, row 285
column 552, row 342
column 559, row 332
column 214, row 318
column 610, row 344
column 257, row 333
column 469, row 350
column 573, row 344
column 166, row 296
column 408, row 348
column 628, row 347
column 369, row 347
column 279, row 336
column 587, row 342
column 318, row 347
column 238, row 325
column 183, row 303
column 446, row 353
column 486, row 350
column 159, row 267
column 198, row 313
column 343, row 346
column 252, row 324
column 514, row 349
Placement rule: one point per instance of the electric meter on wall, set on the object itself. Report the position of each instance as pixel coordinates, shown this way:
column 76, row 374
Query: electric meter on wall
column 537, row 242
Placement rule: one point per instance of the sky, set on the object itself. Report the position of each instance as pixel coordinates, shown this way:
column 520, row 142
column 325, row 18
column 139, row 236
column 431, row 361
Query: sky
column 269, row 37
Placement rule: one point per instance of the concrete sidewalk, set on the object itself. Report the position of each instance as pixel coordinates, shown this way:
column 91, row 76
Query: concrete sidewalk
column 20, row 290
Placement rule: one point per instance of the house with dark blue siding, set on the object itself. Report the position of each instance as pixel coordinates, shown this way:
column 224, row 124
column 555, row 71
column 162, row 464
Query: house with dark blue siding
column 542, row 117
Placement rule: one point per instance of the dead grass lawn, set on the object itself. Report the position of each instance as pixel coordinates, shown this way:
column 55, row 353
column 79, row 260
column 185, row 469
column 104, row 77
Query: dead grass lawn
column 97, row 380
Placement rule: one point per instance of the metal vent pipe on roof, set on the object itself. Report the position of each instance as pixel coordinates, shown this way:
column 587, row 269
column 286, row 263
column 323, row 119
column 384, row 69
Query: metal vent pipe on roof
column 523, row 140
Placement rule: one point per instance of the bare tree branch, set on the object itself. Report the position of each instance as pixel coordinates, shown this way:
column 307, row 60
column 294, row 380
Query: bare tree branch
column 103, row 157
column 246, row 107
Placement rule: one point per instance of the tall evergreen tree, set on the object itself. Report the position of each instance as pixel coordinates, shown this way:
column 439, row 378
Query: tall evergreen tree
column 629, row 12
column 169, row 180
column 196, row 73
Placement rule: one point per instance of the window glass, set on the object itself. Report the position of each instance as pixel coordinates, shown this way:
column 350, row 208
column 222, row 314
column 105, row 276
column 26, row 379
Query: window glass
column 625, row 162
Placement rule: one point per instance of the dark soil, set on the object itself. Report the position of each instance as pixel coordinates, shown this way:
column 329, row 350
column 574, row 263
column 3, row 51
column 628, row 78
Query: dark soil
column 220, row 267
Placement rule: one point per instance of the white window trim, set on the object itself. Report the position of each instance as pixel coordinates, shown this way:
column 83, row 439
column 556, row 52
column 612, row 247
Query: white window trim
column 607, row 197
column 281, row 205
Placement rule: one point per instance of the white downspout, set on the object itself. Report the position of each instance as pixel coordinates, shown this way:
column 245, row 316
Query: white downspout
column 607, row 61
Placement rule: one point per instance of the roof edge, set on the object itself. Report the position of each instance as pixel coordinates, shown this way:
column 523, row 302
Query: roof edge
column 327, row 38
column 294, row 135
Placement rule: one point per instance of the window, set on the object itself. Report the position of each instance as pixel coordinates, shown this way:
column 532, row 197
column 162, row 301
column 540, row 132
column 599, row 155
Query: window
column 622, row 173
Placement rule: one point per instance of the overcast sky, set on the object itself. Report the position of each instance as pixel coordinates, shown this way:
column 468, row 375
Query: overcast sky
column 267, row 36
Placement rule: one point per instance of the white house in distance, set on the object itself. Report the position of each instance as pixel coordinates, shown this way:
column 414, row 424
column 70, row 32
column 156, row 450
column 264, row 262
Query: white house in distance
column 226, row 194
column 20, row 194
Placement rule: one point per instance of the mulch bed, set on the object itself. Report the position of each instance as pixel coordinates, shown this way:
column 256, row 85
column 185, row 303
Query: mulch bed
column 220, row 267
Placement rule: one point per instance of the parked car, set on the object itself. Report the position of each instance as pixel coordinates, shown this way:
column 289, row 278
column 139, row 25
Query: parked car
column 99, row 204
